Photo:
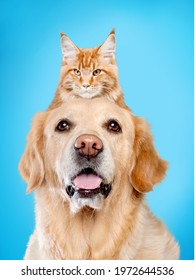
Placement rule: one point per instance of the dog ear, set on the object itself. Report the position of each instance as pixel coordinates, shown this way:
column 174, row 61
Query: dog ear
column 149, row 168
column 31, row 164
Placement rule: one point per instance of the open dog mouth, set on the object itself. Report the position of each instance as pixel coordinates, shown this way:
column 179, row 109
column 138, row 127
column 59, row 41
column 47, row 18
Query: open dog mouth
column 87, row 184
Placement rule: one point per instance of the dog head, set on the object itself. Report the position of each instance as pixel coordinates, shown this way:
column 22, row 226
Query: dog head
column 85, row 151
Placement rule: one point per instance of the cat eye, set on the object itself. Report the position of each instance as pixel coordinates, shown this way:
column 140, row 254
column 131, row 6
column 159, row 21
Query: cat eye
column 96, row 72
column 77, row 72
column 113, row 126
column 63, row 125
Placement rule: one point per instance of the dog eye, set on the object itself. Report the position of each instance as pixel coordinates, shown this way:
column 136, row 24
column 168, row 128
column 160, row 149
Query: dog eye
column 114, row 126
column 77, row 72
column 96, row 72
column 63, row 125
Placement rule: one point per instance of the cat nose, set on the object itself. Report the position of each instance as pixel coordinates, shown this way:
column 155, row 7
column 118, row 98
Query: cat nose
column 86, row 85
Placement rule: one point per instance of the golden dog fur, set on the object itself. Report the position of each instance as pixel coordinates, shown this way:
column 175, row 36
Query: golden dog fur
column 123, row 227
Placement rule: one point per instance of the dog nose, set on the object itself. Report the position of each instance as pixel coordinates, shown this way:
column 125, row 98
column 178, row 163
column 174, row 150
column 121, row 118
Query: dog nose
column 88, row 145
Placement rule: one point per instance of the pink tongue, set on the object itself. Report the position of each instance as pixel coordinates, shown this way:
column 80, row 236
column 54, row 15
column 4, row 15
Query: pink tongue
column 88, row 182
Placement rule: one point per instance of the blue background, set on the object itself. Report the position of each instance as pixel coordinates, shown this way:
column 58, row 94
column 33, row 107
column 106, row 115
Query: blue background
column 155, row 60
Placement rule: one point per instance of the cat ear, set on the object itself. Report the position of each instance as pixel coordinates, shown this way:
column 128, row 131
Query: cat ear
column 107, row 49
column 69, row 50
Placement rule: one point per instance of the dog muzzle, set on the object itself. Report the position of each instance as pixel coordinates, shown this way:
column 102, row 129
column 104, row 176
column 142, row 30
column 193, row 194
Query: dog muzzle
column 88, row 185
column 104, row 189
column 88, row 191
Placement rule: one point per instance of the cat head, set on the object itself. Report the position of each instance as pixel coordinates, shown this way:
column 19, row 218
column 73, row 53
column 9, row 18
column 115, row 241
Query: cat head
column 89, row 72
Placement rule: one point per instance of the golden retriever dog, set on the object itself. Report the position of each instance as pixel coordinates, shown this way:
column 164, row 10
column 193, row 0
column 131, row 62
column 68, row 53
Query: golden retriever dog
column 90, row 163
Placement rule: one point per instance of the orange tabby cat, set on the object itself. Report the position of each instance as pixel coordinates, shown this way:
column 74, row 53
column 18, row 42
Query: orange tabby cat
column 88, row 73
